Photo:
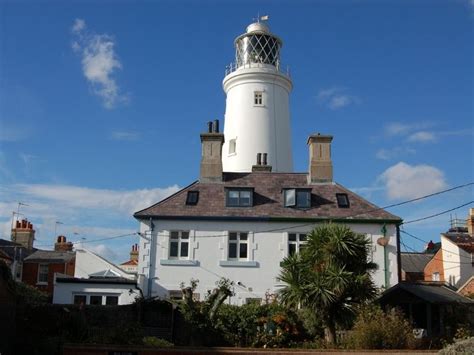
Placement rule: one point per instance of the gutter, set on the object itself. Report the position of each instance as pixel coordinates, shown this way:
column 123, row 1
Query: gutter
column 271, row 219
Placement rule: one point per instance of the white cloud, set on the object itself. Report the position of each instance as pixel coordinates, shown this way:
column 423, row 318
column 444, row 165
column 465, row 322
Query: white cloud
column 99, row 62
column 422, row 137
column 14, row 132
column 404, row 181
column 86, row 212
column 388, row 154
column 125, row 135
column 84, row 197
column 399, row 128
column 336, row 98
column 78, row 26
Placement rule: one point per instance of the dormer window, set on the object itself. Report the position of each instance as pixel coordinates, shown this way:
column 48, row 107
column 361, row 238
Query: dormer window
column 342, row 200
column 239, row 197
column 192, row 198
column 299, row 198
column 258, row 98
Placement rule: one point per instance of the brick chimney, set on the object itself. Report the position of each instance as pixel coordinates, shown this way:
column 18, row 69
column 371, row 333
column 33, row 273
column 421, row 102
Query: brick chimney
column 261, row 166
column 470, row 222
column 134, row 252
column 23, row 233
column 320, row 163
column 211, row 159
column 62, row 244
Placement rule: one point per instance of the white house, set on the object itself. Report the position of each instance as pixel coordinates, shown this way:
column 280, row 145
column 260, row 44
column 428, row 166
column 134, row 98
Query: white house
column 458, row 252
column 248, row 210
column 96, row 281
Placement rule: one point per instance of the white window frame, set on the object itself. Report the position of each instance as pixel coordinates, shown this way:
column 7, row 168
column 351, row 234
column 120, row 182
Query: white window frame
column 233, row 146
column 297, row 242
column 180, row 240
column 258, row 98
column 39, row 281
column 292, row 198
column 238, row 242
column 240, row 199
column 435, row 276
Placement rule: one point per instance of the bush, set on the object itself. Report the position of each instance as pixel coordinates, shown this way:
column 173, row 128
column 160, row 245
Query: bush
column 269, row 325
column 375, row 329
column 157, row 342
column 460, row 346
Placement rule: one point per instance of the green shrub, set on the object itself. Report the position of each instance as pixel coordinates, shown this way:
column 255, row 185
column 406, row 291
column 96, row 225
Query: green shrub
column 375, row 329
column 268, row 325
column 157, row 342
column 460, row 347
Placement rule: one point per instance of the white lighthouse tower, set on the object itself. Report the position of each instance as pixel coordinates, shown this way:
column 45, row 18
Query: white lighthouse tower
column 257, row 117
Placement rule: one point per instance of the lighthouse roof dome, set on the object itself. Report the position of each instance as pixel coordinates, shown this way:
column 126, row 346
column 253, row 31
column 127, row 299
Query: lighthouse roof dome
column 258, row 27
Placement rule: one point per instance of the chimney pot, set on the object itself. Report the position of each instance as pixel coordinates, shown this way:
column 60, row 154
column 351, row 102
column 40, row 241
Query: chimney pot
column 259, row 158
column 264, row 160
column 216, row 126
column 209, row 127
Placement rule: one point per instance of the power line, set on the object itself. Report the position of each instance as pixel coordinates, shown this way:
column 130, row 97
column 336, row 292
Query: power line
column 444, row 261
column 314, row 223
column 424, row 241
column 439, row 214
column 95, row 240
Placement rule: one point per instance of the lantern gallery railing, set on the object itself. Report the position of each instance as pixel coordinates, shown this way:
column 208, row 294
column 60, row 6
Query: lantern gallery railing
column 277, row 67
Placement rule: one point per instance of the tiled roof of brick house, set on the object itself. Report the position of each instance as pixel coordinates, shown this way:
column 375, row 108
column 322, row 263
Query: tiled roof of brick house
column 267, row 201
column 461, row 238
column 50, row 256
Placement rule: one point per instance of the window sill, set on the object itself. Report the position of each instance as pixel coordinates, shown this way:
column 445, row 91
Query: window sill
column 173, row 262
column 236, row 263
column 41, row 284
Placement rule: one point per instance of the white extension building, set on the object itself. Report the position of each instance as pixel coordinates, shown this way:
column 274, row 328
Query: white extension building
column 96, row 281
column 249, row 210
column 458, row 252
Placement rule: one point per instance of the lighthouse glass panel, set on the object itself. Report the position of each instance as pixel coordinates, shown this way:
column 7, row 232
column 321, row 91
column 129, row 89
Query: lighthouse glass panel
column 258, row 48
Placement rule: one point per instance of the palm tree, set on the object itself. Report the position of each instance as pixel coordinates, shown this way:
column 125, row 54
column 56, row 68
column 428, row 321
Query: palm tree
column 330, row 276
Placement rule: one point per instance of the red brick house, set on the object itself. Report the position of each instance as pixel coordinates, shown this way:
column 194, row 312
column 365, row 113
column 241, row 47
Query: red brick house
column 39, row 268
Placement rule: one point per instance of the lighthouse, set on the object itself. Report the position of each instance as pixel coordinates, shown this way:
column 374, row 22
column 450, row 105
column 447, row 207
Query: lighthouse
column 257, row 116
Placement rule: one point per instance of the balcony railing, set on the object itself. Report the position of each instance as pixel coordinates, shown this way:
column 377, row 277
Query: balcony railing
column 232, row 67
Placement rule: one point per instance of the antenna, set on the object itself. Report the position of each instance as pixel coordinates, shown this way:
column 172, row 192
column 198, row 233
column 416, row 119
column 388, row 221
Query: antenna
column 56, row 226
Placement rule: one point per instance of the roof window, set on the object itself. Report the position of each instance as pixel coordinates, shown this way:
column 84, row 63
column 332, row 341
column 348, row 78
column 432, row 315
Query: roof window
column 300, row 198
column 192, row 198
column 239, row 197
column 342, row 200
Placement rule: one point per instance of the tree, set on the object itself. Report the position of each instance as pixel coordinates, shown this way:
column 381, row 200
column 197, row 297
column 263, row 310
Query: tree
column 330, row 276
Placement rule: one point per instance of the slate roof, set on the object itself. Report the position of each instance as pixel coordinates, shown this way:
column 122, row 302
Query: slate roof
column 9, row 248
column 50, row 256
column 461, row 238
column 415, row 262
column 435, row 293
column 267, row 201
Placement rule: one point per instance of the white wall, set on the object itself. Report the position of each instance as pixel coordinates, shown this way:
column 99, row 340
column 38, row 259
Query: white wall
column 209, row 246
column 88, row 263
column 257, row 129
column 456, row 262
column 64, row 292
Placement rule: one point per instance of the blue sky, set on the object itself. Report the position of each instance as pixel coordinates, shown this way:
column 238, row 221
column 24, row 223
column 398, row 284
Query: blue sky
column 102, row 103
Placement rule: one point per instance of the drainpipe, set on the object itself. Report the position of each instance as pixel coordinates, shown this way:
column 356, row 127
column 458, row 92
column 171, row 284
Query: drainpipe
column 151, row 270
column 399, row 256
